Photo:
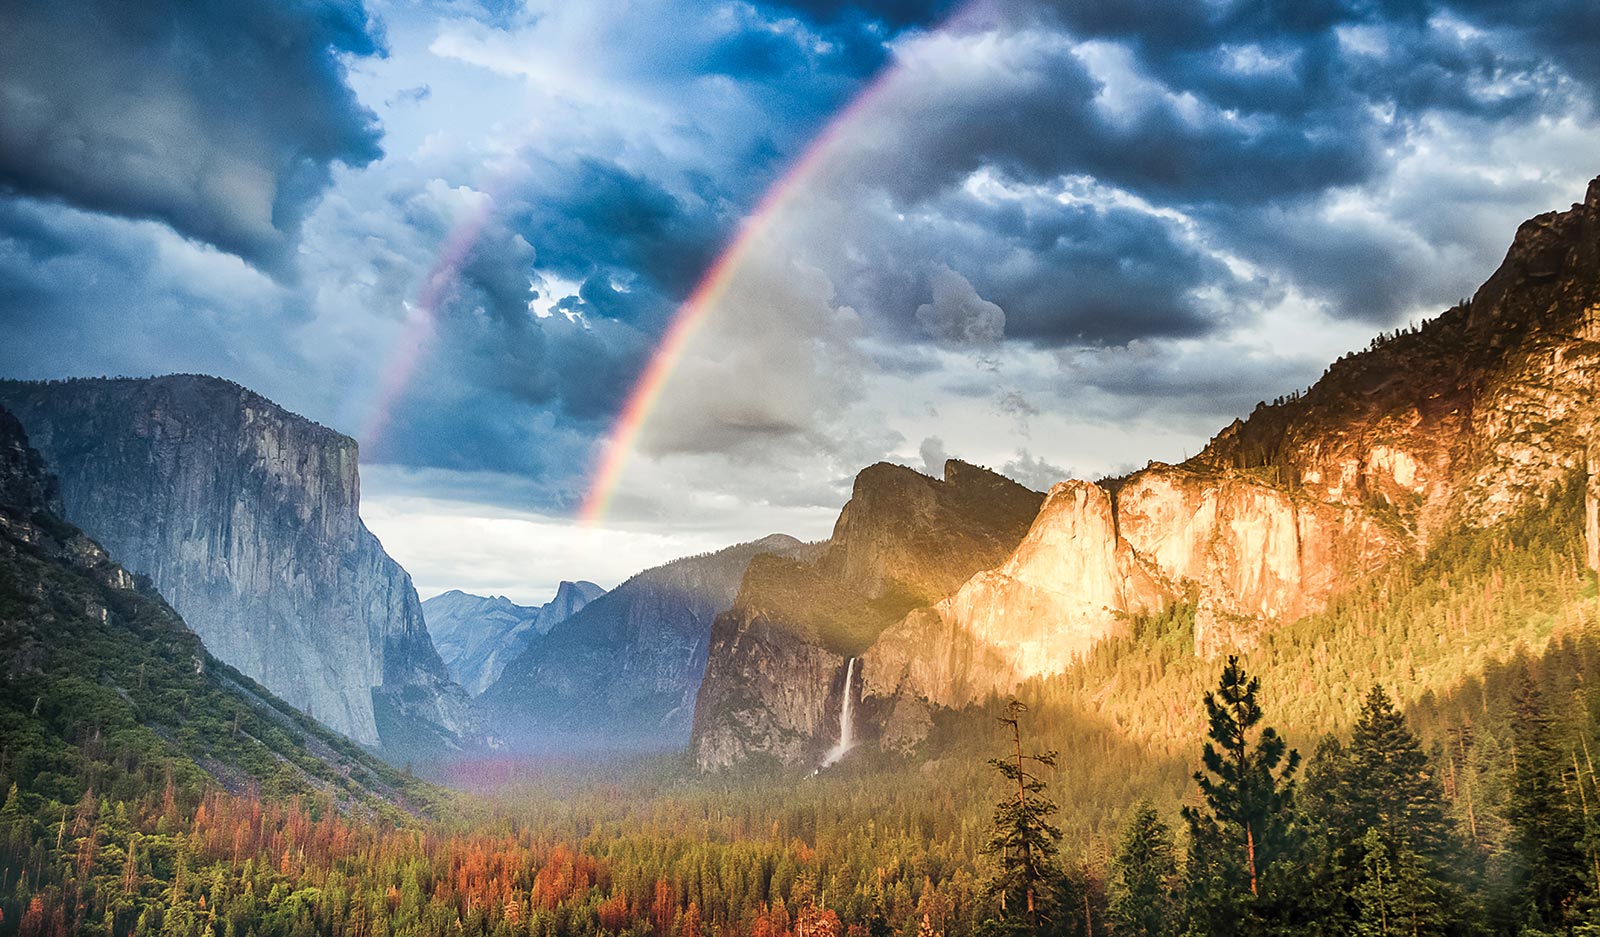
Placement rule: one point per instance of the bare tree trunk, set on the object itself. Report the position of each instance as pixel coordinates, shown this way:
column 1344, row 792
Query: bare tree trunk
column 1250, row 854
column 1022, row 805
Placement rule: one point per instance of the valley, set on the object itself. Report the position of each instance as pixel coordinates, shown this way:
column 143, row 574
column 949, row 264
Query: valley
column 787, row 739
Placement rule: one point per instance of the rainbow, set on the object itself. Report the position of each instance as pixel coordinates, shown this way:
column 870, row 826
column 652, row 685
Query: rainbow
column 693, row 312
column 647, row 390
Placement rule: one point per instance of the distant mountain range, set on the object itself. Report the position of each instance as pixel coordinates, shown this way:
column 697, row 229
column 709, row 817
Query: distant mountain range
column 477, row 635
column 623, row 672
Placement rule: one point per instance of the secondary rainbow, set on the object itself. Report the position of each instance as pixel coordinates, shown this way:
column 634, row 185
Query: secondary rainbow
column 406, row 353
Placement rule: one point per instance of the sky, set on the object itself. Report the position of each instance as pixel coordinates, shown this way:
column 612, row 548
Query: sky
column 1054, row 238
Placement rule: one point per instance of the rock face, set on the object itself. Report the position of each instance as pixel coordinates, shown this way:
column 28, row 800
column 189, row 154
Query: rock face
column 1477, row 413
column 245, row 518
column 26, row 487
column 477, row 635
column 776, row 675
column 1247, row 553
column 84, row 644
column 621, row 674
column 1481, row 410
column 1591, row 504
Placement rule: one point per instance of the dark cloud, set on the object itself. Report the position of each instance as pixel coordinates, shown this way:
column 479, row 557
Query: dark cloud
column 1083, row 273
column 89, row 295
column 1252, row 119
column 894, row 14
column 1245, row 102
column 221, row 120
column 595, row 221
column 1064, row 268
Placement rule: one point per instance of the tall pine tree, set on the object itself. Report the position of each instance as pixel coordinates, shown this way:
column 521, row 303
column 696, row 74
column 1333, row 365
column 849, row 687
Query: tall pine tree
column 1022, row 838
column 1144, row 875
column 1242, row 836
column 1379, row 808
column 1548, row 824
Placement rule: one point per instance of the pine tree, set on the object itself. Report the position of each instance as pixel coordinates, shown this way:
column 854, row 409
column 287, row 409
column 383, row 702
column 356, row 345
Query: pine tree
column 1143, row 874
column 1396, row 894
column 1022, row 836
column 1378, row 807
column 1390, row 785
column 1242, row 835
column 1548, row 827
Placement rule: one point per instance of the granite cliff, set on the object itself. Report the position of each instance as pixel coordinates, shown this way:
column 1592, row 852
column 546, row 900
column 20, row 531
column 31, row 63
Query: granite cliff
column 477, row 635
column 779, row 657
column 245, row 518
column 99, row 678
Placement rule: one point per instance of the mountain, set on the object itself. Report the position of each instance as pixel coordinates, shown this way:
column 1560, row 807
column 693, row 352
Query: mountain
column 622, row 673
column 103, row 687
column 779, row 658
column 245, row 517
column 476, row 635
column 1466, row 423
column 1243, row 552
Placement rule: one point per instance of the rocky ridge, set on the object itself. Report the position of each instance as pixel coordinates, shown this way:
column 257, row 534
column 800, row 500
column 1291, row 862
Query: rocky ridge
column 477, row 636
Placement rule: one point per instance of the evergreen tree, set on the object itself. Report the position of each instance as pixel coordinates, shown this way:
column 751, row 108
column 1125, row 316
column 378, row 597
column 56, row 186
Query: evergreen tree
column 1143, row 875
column 1242, row 834
column 1395, row 895
column 1548, row 827
column 1022, row 836
column 1390, row 785
column 1332, row 877
column 1385, row 840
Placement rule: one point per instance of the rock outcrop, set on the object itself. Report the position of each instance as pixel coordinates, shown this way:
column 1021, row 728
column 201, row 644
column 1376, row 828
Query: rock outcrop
column 621, row 674
column 1464, row 419
column 477, row 635
column 778, row 659
column 1246, row 553
column 245, row 518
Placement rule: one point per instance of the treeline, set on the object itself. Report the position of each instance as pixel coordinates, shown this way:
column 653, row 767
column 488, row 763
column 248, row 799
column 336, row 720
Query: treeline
column 1370, row 836
column 1489, row 826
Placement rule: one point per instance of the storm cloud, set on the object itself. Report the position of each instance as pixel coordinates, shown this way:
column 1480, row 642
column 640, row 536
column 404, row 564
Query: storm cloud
column 221, row 120
column 1053, row 234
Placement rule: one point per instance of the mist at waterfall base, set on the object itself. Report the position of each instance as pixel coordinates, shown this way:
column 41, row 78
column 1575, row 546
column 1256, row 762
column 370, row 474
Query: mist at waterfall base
column 847, row 737
column 599, row 755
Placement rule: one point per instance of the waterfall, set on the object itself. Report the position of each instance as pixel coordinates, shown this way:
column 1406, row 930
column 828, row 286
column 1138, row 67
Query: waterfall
column 847, row 737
